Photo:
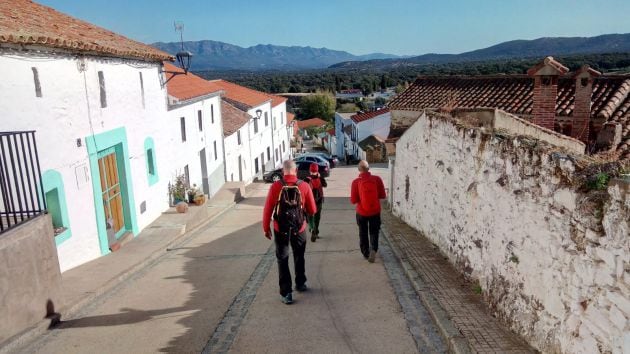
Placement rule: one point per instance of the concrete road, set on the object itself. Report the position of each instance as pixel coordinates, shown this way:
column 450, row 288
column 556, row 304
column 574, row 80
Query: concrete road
column 218, row 293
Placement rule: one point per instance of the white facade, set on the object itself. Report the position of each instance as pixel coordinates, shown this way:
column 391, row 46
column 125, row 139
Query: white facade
column 70, row 116
column 379, row 126
column 203, row 136
column 236, row 153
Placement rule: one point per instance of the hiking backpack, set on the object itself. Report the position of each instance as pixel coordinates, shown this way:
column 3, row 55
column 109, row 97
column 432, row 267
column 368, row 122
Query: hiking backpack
column 368, row 196
column 289, row 213
column 318, row 191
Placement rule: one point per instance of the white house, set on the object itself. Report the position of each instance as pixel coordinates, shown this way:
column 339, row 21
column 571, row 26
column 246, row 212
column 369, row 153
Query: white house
column 98, row 105
column 266, row 132
column 196, row 130
column 237, row 142
column 363, row 125
column 342, row 120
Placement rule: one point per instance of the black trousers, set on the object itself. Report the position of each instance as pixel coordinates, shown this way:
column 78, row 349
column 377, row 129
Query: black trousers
column 298, row 244
column 371, row 225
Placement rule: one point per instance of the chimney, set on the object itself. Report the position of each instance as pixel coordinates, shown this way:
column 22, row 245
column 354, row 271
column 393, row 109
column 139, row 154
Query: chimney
column 582, row 102
column 545, row 91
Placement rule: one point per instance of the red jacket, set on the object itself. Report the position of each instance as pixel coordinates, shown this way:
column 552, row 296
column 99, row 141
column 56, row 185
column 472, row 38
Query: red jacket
column 308, row 202
column 355, row 193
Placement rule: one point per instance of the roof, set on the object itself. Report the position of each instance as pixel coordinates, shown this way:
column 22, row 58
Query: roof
column 246, row 98
column 371, row 142
column 362, row 117
column 347, row 129
column 233, row 118
column 290, row 117
column 331, row 132
column 187, row 86
column 313, row 122
column 25, row 22
column 514, row 94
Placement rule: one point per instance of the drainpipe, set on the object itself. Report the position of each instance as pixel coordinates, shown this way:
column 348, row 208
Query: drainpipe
column 273, row 147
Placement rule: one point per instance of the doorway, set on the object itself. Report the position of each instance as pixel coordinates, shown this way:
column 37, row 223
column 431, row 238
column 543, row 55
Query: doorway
column 205, row 185
column 111, row 194
column 240, row 168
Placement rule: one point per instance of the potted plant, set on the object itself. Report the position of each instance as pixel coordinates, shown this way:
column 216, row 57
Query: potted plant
column 192, row 193
column 178, row 189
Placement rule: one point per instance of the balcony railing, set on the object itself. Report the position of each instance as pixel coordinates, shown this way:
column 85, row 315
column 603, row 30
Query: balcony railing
column 21, row 191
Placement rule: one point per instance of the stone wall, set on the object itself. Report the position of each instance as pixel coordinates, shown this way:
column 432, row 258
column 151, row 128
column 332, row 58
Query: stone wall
column 30, row 280
column 553, row 261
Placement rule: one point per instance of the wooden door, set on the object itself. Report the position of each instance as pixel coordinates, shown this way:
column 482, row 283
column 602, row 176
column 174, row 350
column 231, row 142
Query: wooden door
column 111, row 193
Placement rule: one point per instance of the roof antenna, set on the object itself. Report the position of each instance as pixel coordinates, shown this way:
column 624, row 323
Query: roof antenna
column 179, row 27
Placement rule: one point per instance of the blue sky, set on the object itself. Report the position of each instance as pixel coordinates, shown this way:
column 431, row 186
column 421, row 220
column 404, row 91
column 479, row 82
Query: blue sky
column 358, row 26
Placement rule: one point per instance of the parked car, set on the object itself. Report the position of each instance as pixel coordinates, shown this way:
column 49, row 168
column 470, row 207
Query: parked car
column 332, row 160
column 302, row 171
column 312, row 158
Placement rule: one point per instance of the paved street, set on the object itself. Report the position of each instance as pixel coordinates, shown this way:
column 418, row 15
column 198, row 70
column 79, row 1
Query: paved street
column 218, row 293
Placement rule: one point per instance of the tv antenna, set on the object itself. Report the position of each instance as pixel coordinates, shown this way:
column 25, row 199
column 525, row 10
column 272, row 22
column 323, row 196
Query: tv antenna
column 179, row 27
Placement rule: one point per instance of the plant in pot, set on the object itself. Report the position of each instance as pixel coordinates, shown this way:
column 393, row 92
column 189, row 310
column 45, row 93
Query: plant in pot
column 192, row 193
column 178, row 189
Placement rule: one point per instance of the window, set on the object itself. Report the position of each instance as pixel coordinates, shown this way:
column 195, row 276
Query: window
column 182, row 124
column 274, row 123
column 215, row 150
column 142, row 88
column 283, row 148
column 281, row 118
column 187, row 175
column 268, row 153
column 38, row 87
column 276, row 154
column 238, row 136
column 266, row 119
column 212, row 113
column 56, row 206
column 149, row 151
column 101, row 85
column 200, row 120
column 255, row 126
column 256, row 165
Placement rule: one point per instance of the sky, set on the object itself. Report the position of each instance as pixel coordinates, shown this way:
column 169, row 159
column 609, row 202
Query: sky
column 403, row 27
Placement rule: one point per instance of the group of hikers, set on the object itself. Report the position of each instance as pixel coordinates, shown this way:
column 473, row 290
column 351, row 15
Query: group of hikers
column 293, row 205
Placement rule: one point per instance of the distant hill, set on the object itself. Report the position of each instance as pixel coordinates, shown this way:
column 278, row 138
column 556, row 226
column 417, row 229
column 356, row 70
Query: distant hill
column 214, row 55
column 608, row 43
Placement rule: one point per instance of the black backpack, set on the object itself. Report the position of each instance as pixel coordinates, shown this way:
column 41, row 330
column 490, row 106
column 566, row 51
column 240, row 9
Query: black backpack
column 316, row 187
column 289, row 212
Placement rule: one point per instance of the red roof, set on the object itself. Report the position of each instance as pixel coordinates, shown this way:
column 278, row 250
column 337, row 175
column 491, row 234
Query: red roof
column 331, row 132
column 233, row 118
column 187, row 86
column 26, row 22
column 246, row 98
column 313, row 122
column 357, row 118
column 514, row 94
column 290, row 117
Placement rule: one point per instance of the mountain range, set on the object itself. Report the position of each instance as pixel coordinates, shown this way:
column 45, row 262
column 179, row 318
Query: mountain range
column 536, row 48
column 215, row 55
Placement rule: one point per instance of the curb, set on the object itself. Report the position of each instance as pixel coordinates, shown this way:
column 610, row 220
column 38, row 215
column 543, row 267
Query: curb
column 27, row 336
column 456, row 342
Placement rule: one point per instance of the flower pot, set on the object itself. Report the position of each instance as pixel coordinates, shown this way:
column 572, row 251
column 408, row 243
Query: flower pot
column 181, row 207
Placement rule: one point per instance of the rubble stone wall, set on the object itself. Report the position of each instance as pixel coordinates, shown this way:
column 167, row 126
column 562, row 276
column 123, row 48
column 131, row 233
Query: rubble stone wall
column 553, row 261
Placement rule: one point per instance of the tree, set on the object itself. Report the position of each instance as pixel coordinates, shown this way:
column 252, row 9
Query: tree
column 321, row 105
column 383, row 82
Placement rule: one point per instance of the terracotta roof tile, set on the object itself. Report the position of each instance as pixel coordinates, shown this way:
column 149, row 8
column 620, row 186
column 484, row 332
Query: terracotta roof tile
column 26, row 22
column 233, row 118
column 331, row 132
column 357, row 118
column 187, row 86
column 513, row 94
column 313, row 122
column 244, row 97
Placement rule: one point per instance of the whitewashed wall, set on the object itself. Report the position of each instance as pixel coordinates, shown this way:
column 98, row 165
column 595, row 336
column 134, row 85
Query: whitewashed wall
column 280, row 132
column 188, row 152
column 70, row 110
column 378, row 126
column 232, row 152
column 508, row 215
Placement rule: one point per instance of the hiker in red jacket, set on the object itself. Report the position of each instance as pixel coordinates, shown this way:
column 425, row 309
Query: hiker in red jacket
column 288, row 202
column 317, row 184
column 366, row 192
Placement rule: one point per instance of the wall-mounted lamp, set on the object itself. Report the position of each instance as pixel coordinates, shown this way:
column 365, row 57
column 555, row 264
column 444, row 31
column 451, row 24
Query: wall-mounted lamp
column 258, row 114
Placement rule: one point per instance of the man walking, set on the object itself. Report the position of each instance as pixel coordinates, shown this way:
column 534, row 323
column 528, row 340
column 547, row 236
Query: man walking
column 317, row 184
column 288, row 202
column 366, row 192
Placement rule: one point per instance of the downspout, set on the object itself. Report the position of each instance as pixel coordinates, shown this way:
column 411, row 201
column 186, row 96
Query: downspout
column 223, row 142
column 273, row 147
